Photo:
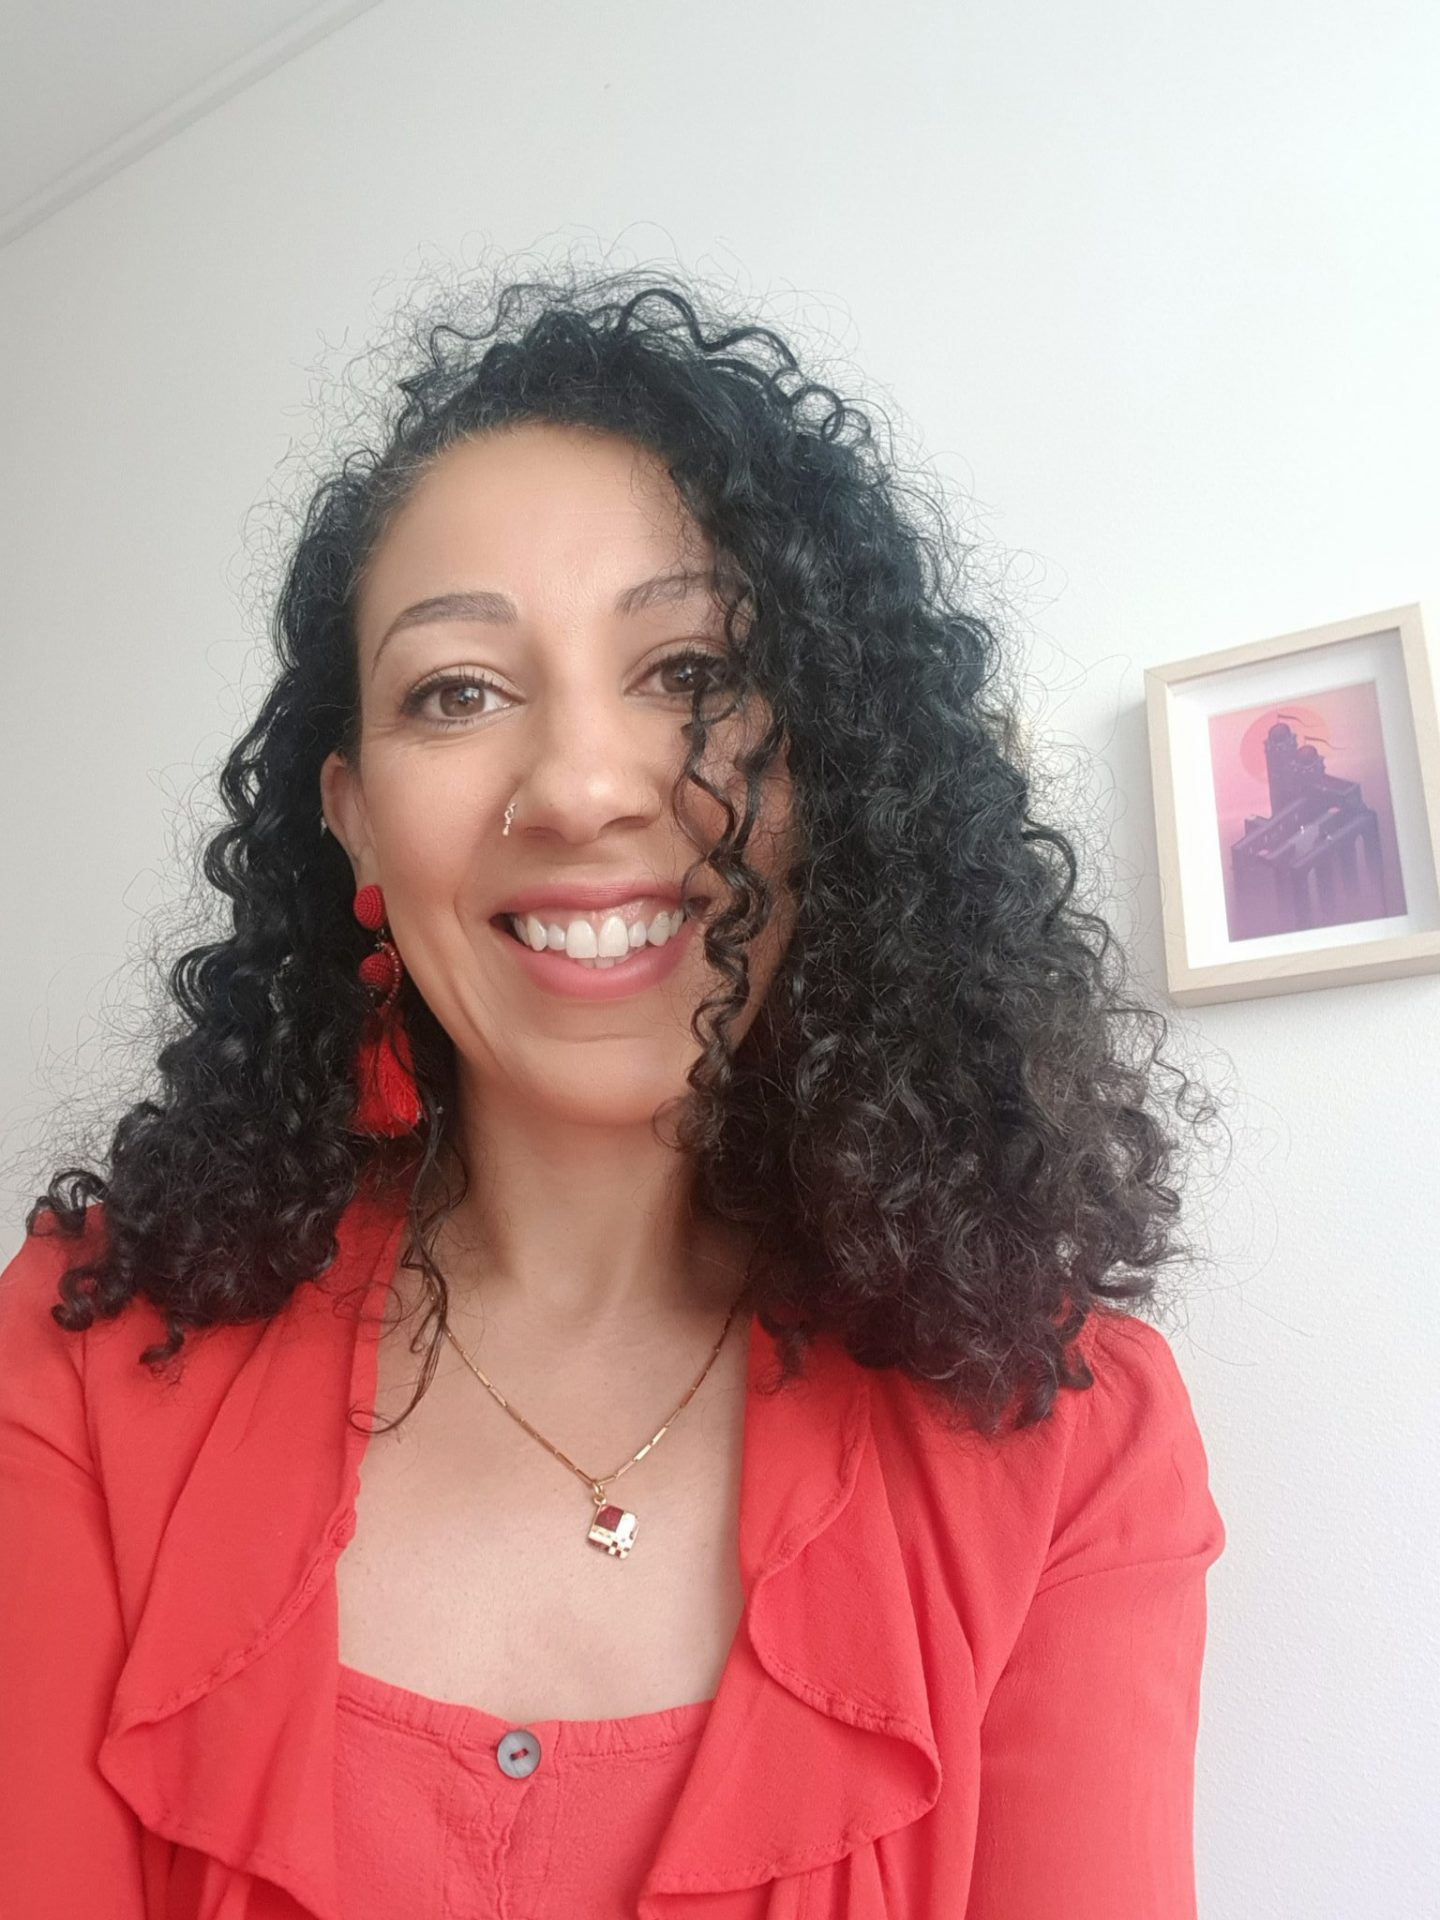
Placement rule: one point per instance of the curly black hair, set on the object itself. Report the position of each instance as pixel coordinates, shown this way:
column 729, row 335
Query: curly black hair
column 945, row 1127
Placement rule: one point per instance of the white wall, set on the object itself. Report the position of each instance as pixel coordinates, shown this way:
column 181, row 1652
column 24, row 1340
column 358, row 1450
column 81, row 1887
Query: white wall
column 1160, row 286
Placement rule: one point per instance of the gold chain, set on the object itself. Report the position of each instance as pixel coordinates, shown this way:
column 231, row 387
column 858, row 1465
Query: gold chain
column 597, row 1487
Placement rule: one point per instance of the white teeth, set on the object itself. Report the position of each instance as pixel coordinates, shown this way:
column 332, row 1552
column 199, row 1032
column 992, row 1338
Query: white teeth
column 615, row 941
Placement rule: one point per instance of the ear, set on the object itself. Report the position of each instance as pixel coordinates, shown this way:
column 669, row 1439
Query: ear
column 343, row 805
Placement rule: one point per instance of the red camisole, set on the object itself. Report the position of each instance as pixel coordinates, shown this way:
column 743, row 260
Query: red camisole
column 444, row 1809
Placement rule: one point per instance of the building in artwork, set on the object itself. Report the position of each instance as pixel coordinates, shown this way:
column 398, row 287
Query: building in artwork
column 1315, row 860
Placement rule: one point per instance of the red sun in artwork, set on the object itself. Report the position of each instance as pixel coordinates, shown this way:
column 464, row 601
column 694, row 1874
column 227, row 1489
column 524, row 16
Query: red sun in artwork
column 1307, row 723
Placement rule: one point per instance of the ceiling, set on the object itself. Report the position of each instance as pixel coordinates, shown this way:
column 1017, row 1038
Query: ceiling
column 86, row 86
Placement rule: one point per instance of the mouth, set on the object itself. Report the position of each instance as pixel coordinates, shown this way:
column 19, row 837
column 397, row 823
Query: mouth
column 590, row 936
column 592, row 976
column 680, row 912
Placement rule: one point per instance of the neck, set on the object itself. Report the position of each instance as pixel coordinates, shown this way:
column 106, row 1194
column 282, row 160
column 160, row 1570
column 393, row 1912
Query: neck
column 594, row 1248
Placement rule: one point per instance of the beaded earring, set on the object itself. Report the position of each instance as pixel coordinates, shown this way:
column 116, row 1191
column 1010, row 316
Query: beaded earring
column 388, row 1100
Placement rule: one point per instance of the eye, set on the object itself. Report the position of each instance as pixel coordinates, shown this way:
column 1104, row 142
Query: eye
column 447, row 683
column 712, row 668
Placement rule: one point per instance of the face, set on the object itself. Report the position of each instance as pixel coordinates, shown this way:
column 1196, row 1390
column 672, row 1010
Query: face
column 572, row 706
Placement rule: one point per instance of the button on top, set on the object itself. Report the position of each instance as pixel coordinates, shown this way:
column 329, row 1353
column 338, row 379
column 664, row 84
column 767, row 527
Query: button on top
column 518, row 1753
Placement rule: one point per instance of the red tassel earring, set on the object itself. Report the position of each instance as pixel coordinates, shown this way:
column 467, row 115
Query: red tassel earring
column 388, row 1100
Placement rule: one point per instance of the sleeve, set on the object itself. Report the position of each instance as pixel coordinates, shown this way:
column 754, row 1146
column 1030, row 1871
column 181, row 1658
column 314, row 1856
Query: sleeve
column 1088, row 1738
column 70, row 1847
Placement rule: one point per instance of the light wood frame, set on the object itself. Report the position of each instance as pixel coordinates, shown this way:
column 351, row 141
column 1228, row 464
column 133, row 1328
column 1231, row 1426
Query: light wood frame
column 1386, row 957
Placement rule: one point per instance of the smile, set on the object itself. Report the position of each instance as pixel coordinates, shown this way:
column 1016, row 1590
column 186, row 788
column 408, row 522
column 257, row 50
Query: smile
column 605, row 939
column 567, row 970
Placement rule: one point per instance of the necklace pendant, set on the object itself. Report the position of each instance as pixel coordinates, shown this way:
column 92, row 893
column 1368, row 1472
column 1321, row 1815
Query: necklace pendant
column 613, row 1529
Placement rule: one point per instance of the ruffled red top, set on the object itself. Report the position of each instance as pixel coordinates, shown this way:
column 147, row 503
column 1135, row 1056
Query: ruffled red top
column 966, row 1678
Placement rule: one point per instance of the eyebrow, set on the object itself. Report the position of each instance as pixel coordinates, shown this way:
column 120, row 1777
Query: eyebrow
column 480, row 603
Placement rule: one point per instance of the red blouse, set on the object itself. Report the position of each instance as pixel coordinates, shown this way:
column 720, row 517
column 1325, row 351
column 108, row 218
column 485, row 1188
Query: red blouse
column 442, row 1809
column 965, row 1684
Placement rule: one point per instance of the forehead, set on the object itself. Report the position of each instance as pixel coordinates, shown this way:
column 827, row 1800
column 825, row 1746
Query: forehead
column 559, row 501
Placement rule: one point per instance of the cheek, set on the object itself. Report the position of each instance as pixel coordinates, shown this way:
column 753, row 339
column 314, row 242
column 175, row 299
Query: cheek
column 431, row 823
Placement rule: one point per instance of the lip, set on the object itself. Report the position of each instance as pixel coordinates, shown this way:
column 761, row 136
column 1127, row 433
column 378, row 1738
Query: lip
column 594, row 897
column 552, row 973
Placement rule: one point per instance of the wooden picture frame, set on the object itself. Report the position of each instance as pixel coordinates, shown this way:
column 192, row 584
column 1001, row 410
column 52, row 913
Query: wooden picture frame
column 1297, row 810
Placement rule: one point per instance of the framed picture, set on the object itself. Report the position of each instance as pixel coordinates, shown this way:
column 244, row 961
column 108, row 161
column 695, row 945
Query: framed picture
column 1297, row 810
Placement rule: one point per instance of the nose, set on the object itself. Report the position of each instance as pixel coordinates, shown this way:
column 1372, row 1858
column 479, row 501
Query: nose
column 593, row 763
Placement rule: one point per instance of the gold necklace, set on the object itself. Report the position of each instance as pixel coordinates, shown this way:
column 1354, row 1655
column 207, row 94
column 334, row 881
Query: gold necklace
column 613, row 1527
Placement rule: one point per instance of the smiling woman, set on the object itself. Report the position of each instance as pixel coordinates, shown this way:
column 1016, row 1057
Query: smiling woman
column 640, row 928
column 575, row 717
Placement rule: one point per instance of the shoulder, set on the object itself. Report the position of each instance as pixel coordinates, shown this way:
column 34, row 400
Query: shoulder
column 1139, row 1399
column 41, row 1365
column 1135, row 1456
column 1117, row 1468
column 36, row 1351
column 1137, row 1390
column 246, row 1428
column 28, row 1277
column 90, row 1392
column 1136, row 1482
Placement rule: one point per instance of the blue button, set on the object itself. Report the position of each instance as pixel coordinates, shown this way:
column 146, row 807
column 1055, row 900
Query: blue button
column 518, row 1753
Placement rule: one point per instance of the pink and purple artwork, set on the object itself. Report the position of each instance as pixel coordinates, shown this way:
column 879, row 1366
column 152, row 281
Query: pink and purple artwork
column 1307, row 828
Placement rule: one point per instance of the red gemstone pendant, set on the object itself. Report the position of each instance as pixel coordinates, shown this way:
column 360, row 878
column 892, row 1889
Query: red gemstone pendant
column 614, row 1530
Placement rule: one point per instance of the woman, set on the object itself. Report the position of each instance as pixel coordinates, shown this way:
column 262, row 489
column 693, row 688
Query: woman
column 649, row 990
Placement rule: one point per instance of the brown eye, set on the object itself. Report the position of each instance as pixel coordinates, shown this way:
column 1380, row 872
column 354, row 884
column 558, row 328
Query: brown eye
column 416, row 701
column 712, row 670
